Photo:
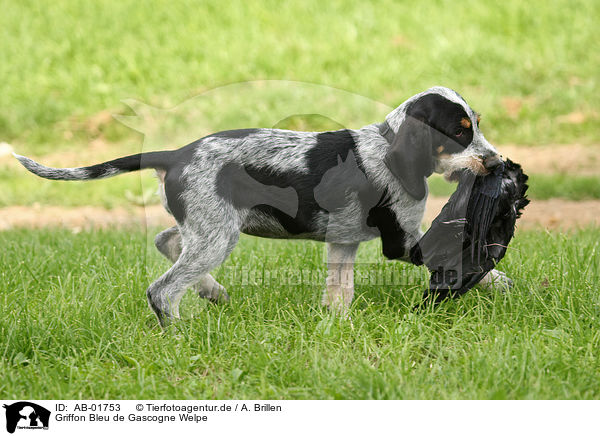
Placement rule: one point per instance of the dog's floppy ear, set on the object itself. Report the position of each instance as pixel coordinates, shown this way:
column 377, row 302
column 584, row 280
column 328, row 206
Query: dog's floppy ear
column 409, row 157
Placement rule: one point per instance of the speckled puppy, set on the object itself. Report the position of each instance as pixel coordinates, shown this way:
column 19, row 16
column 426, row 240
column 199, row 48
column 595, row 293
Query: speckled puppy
column 342, row 187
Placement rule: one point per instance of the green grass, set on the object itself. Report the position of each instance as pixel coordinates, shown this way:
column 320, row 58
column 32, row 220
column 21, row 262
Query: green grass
column 64, row 61
column 545, row 186
column 76, row 325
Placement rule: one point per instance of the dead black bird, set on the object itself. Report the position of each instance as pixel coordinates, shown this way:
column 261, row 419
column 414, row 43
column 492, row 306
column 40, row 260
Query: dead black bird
column 471, row 233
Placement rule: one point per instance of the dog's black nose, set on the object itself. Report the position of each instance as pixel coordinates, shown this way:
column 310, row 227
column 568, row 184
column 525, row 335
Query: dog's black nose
column 492, row 162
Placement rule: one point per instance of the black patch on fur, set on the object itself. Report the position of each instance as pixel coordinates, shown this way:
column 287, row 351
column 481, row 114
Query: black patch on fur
column 174, row 187
column 248, row 188
column 330, row 145
column 444, row 116
column 393, row 238
column 301, row 221
column 432, row 126
column 324, row 156
column 135, row 162
column 234, row 134
column 332, row 172
column 416, row 255
column 321, row 158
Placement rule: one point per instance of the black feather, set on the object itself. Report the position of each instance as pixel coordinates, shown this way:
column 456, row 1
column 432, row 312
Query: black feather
column 471, row 233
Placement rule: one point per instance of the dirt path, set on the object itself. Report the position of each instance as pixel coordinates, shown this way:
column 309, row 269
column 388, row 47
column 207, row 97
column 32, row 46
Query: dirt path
column 575, row 159
column 550, row 214
column 84, row 217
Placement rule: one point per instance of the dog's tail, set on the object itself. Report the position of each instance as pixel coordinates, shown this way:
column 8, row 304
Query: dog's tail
column 135, row 162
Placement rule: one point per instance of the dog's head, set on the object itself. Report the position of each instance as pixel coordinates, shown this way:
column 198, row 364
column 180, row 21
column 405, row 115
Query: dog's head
column 436, row 131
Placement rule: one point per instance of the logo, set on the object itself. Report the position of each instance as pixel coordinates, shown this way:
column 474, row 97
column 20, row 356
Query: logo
column 26, row 415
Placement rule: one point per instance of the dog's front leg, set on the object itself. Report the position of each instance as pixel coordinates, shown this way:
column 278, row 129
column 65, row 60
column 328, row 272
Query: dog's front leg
column 340, row 277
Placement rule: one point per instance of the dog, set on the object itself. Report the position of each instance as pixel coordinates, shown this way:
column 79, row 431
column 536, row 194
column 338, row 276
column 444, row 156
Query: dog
column 342, row 187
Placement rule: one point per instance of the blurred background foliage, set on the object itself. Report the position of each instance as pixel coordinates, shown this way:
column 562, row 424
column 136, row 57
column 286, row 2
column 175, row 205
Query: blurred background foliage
column 530, row 67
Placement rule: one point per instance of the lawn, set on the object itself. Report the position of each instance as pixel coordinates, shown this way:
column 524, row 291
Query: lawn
column 76, row 325
column 529, row 67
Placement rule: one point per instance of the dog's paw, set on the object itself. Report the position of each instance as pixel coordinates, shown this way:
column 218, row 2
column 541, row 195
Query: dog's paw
column 497, row 280
column 338, row 300
column 215, row 294
column 212, row 290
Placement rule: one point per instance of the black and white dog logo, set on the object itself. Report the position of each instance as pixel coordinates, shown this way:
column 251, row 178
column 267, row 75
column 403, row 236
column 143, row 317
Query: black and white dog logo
column 26, row 415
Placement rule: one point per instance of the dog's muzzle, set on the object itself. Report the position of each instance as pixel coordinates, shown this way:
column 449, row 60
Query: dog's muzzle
column 492, row 162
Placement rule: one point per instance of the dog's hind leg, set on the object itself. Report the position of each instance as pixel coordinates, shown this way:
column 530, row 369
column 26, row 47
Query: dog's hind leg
column 340, row 277
column 200, row 254
column 168, row 243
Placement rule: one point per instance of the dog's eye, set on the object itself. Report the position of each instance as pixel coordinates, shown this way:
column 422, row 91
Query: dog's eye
column 459, row 133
